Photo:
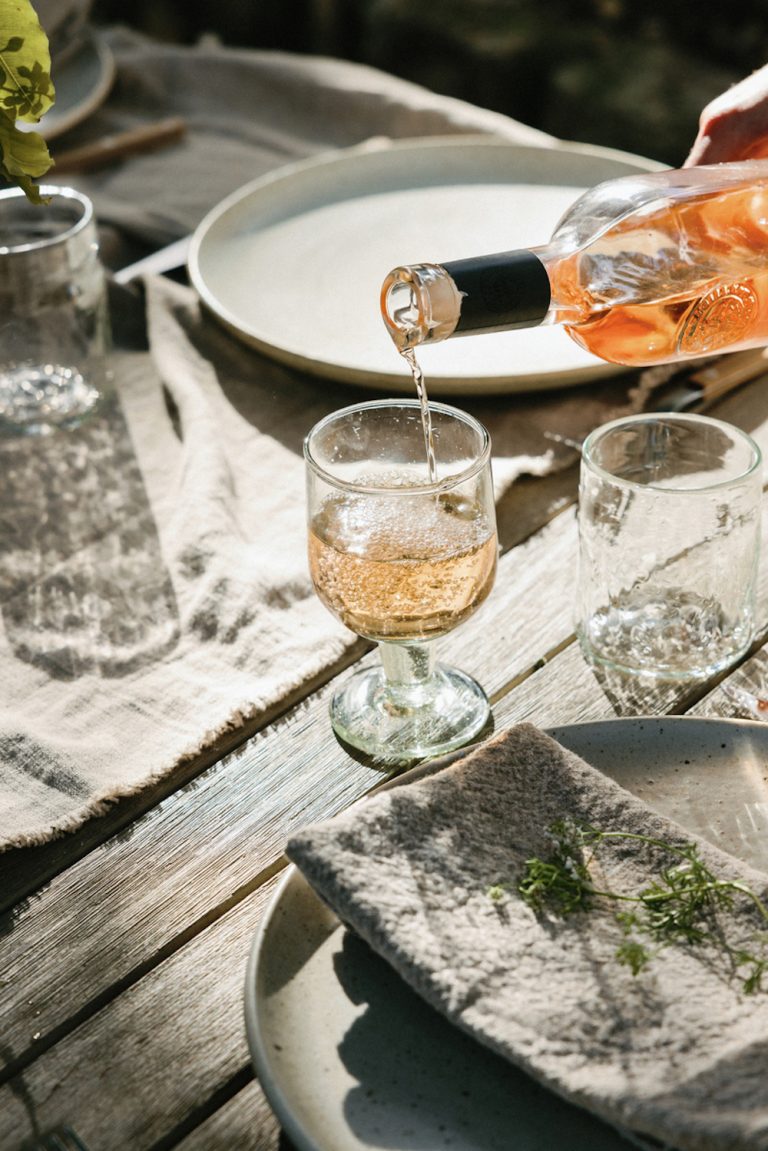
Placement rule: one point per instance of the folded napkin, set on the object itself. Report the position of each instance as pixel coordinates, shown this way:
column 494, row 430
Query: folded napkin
column 678, row 1052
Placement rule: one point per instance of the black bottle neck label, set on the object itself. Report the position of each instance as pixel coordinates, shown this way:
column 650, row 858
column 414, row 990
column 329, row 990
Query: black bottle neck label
column 500, row 292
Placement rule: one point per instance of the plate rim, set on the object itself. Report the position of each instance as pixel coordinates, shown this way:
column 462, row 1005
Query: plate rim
column 258, row 1053
column 90, row 41
column 376, row 377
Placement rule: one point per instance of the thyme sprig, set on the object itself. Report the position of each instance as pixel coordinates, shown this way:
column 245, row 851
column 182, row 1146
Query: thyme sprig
column 685, row 904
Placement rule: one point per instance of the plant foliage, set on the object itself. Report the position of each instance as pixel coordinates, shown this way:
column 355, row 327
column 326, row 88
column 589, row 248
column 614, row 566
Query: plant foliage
column 684, row 904
column 26, row 94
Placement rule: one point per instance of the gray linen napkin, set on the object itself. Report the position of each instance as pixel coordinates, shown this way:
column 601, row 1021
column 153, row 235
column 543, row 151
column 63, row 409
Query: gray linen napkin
column 677, row 1052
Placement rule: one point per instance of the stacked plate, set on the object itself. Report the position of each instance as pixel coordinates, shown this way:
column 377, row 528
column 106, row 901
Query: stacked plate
column 82, row 67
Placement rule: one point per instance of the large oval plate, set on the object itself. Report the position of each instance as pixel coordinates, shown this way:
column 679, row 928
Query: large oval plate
column 351, row 1059
column 293, row 263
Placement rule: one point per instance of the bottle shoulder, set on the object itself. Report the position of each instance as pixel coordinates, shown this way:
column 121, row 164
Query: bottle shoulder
column 608, row 204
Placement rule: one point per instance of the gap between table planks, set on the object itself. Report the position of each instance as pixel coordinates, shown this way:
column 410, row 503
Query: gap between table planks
column 203, row 815
column 529, row 504
column 208, row 840
column 148, row 1068
column 105, row 893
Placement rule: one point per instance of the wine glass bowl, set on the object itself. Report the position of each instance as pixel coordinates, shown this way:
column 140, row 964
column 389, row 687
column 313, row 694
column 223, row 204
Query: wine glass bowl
column 401, row 557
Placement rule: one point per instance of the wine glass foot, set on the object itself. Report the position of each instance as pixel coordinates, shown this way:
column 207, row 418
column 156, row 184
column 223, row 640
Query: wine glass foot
column 399, row 723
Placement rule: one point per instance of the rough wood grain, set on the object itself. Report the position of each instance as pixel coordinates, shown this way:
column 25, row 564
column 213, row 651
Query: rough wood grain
column 24, row 870
column 128, row 1019
column 245, row 1123
column 741, row 695
column 154, row 1059
column 99, row 924
column 206, row 845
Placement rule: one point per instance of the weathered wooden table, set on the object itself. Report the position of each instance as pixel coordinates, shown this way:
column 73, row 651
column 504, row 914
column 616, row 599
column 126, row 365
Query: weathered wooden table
column 123, row 946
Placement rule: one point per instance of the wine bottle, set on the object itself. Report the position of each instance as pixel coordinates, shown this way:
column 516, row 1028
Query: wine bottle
column 640, row 270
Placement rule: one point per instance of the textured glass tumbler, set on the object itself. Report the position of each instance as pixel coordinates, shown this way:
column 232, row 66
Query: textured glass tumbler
column 669, row 534
column 54, row 327
column 402, row 559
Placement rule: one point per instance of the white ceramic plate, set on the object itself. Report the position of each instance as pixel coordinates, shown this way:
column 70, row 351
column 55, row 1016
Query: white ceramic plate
column 352, row 1060
column 82, row 79
column 293, row 263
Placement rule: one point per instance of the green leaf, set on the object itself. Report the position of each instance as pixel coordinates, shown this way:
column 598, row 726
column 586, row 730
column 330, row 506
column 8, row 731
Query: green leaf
column 26, row 93
column 25, row 62
column 633, row 955
column 23, row 156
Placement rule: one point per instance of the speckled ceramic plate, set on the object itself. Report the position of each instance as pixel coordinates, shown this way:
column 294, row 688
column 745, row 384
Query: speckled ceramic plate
column 352, row 1060
column 293, row 263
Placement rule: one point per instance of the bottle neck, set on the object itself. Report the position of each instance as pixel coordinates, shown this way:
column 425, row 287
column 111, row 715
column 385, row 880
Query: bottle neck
column 426, row 303
column 419, row 304
column 500, row 292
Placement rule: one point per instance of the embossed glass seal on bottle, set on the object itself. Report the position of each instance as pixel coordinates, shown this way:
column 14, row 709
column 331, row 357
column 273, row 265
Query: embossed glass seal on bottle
column 641, row 270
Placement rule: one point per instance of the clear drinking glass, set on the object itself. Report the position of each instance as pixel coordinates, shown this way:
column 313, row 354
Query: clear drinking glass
column 54, row 327
column 402, row 560
column 669, row 533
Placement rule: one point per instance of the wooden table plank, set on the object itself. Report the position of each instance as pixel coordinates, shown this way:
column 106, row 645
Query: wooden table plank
column 528, row 503
column 245, row 1123
column 155, row 1062
column 129, row 1020
column 750, row 677
column 208, row 845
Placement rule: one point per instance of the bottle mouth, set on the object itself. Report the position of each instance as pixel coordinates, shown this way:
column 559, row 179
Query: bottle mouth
column 419, row 304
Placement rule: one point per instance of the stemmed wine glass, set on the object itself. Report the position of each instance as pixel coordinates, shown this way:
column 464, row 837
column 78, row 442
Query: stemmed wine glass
column 402, row 550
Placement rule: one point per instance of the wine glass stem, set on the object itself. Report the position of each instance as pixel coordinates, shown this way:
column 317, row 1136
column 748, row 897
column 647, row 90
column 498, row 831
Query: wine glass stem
column 409, row 670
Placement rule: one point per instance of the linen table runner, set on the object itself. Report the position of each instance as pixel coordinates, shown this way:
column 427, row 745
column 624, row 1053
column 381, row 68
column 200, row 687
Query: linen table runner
column 154, row 585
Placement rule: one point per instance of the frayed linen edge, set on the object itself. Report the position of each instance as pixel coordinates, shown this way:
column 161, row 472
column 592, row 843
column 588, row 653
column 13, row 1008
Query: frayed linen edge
column 102, row 802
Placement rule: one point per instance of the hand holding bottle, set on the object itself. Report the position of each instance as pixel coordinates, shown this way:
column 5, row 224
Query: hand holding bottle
column 734, row 126
column 642, row 270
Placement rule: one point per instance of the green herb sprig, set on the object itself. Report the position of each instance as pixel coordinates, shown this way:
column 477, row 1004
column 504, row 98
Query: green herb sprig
column 685, row 904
